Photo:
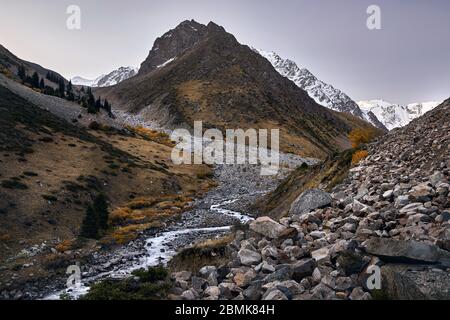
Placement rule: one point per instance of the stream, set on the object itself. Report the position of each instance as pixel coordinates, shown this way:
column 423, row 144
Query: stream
column 210, row 217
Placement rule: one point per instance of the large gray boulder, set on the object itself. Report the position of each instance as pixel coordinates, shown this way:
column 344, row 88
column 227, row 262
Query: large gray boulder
column 406, row 251
column 310, row 200
column 267, row 227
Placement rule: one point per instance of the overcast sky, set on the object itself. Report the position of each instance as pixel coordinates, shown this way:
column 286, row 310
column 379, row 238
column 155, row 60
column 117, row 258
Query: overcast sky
column 408, row 60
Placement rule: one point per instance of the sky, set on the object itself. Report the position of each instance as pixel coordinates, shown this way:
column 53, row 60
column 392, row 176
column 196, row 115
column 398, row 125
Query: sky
column 407, row 60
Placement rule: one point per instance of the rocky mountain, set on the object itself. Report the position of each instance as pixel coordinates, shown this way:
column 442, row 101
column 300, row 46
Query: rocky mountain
column 395, row 115
column 201, row 72
column 110, row 79
column 323, row 93
column 390, row 214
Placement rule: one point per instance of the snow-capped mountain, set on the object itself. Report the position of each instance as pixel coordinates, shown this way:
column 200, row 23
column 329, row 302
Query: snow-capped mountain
column 395, row 115
column 323, row 93
column 110, row 79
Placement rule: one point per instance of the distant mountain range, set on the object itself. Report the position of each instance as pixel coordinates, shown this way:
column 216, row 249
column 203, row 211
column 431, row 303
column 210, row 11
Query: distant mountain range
column 109, row 79
column 323, row 93
column 396, row 115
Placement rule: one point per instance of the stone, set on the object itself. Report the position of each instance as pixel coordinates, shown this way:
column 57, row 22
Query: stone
column 182, row 276
column 322, row 292
column 282, row 274
column 421, row 193
column 199, row 284
column 309, row 201
column 405, row 251
column 270, row 252
column 351, row 262
column 254, row 291
column 267, row 227
column 294, row 287
column 294, row 252
column 359, row 294
column 303, row 268
column 321, row 254
column 213, row 291
column 412, row 207
column 388, row 194
column 266, row 267
column 188, row 295
column 359, row 207
column 436, row 178
column 249, row 257
column 401, row 201
column 317, row 234
column 275, row 295
column 207, row 270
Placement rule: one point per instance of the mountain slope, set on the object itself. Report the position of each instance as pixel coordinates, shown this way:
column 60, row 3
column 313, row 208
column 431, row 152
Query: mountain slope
column 112, row 78
column 197, row 72
column 323, row 93
column 10, row 63
column 395, row 115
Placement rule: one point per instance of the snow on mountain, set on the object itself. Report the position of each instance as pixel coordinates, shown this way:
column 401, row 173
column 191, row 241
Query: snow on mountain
column 395, row 115
column 323, row 93
column 110, row 79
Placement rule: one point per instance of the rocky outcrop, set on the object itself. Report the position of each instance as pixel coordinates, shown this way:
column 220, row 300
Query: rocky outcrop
column 390, row 214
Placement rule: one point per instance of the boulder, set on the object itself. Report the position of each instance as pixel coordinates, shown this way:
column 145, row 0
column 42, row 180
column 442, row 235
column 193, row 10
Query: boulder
column 405, row 251
column 249, row 257
column 321, row 254
column 351, row 262
column 303, row 268
column 309, row 201
column 267, row 227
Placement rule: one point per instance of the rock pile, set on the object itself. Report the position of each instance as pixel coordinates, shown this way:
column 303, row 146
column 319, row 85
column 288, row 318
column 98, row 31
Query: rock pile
column 391, row 214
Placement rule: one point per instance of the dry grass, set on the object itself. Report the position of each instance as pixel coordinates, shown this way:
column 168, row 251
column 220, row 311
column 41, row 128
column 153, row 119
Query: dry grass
column 152, row 135
column 64, row 246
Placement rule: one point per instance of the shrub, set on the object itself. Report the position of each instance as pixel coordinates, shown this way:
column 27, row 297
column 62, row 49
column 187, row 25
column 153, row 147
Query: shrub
column 361, row 136
column 358, row 156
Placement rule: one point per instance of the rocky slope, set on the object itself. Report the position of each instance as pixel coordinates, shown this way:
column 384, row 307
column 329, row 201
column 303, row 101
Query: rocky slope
column 200, row 72
column 323, row 93
column 110, row 79
column 395, row 115
column 390, row 214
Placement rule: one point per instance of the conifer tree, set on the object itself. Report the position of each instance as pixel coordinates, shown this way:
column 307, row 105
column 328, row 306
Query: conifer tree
column 35, row 80
column 42, row 84
column 101, row 210
column 22, row 73
column 89, row 228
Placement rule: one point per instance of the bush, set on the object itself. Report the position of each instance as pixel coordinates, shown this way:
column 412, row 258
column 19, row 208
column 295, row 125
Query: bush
column 152, row 284
column 361, row 136
column 358, row 156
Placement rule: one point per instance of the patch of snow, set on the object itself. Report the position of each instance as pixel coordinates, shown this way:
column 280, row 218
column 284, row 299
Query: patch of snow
column 165, row 63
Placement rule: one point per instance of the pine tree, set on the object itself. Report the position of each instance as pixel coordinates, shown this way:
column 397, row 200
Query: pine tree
column 35, row 80
column 70, row 95
column 42, row 84
column 91, row 102
column 62, row 87
column 89, row 228
column 22, row 73
column 98, row 104
column 101, row 210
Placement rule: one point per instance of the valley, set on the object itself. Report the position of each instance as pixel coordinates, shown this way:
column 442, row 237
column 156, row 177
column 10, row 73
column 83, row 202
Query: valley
column 88, row 180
